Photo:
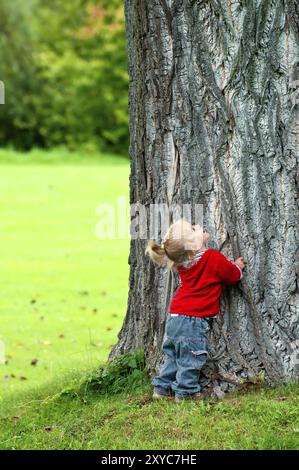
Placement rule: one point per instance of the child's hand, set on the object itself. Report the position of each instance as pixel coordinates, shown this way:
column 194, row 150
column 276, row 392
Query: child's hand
column 240, row 262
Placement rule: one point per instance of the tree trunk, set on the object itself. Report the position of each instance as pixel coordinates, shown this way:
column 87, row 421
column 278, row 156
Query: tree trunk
column 213, row 108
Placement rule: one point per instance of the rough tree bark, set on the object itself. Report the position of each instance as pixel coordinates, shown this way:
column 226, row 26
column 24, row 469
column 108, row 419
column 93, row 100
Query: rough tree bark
column 213, row 108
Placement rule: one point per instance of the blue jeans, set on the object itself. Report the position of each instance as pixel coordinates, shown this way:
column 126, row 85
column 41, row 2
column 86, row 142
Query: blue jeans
column 185, row 346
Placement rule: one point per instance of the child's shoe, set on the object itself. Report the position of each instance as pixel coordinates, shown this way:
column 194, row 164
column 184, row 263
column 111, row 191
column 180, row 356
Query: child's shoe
column 159, row 395
column 195, row 397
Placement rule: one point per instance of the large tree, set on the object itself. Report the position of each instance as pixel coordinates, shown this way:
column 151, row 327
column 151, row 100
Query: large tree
column 214, row 120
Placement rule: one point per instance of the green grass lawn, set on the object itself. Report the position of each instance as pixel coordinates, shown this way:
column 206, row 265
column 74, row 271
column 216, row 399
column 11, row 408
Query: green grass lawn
column 63, row 291
column 63, row 299
column 58, row 418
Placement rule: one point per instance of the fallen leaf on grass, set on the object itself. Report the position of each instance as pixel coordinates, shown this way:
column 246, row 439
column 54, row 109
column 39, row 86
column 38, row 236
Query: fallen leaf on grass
column 83, row 292
column 97, row 345
column 45, row 343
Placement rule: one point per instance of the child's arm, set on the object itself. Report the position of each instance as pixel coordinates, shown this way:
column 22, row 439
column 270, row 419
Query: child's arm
column 229, row 273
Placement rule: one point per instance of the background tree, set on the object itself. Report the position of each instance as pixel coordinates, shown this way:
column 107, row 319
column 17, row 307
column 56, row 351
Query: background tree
column 83, row 69
column 213, row 120
column 64, row 65
column 18, row 72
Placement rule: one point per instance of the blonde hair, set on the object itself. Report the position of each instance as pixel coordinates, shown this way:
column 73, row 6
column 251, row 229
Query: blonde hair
column 171, row 252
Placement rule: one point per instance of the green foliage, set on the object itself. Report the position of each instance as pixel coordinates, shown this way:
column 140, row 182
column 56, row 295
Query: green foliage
column 126, row 372
column 74, row 90
column 18, row 121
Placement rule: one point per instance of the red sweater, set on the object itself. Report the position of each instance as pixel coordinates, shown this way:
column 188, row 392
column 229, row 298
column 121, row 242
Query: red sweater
column 202, row 284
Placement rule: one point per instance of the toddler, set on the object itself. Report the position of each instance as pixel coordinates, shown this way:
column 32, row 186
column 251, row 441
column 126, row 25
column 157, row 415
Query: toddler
column 203, row 273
